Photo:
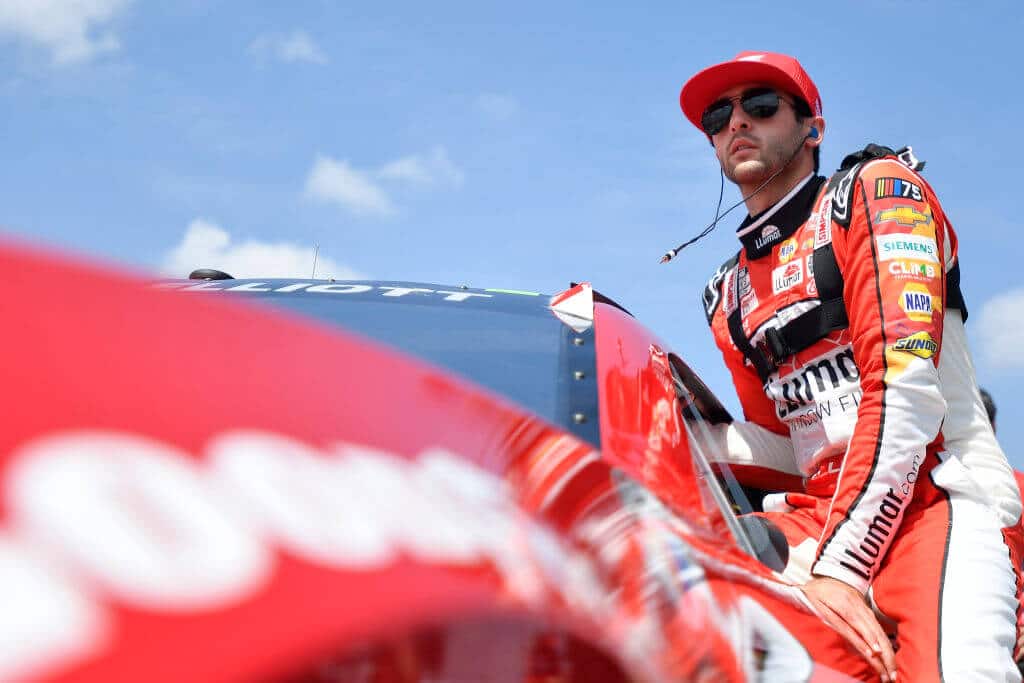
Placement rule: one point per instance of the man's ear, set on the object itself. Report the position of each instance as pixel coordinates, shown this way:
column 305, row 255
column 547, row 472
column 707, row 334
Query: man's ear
column 817, row 131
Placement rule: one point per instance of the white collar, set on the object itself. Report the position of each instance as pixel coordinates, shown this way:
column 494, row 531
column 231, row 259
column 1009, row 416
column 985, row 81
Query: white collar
column 775, row 207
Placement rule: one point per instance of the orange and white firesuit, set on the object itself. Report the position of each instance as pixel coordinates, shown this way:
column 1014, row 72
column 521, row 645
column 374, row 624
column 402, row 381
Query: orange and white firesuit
column 901, row 489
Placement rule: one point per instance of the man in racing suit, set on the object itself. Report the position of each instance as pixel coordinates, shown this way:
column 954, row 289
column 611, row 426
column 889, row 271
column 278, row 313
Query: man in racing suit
column 861, row 400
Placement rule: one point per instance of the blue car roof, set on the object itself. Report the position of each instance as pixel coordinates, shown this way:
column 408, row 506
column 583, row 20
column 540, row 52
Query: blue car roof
column 506, row 340
column 384, row 291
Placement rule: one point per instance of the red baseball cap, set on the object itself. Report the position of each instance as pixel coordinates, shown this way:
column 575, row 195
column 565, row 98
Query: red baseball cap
column 772, row 68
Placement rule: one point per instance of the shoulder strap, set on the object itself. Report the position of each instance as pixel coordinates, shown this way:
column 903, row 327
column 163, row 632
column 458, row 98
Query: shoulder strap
column 954, row 295
column 820, row 321
column 758, row 357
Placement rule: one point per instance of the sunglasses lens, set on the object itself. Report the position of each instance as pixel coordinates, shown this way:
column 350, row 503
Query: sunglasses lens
column 715, row 117
column 761, row 104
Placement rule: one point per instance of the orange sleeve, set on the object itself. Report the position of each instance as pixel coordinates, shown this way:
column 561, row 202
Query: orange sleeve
column 891, row 257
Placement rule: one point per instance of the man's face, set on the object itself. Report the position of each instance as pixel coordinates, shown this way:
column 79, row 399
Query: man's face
column 751, row 149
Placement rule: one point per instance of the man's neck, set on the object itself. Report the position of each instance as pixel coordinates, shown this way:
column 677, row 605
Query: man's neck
column 775, row 190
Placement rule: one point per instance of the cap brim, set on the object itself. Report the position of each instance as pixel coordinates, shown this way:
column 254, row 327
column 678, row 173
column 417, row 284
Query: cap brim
column 708, row 85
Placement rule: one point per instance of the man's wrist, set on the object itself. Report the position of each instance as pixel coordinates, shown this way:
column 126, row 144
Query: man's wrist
column 825, row 568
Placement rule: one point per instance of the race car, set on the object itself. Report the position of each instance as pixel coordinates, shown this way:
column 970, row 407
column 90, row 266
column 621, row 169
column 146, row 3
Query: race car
column 308, row 480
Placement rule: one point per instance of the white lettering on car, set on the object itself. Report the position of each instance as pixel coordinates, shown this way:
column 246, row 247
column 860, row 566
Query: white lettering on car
column 461, row 296
column 45, row 618
column 205, row 285
column 402, row 291
column 249, row 287
column 136, row 516
column 338, row 288
column 325, row 288
column 124, row 517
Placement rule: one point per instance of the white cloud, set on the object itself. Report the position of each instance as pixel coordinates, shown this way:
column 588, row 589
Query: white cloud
column 72, row 30
column 1002, row 329
column 362, row 192
column 296, row 46
column 498, row 107
column 207, row 245
column 433, row 169
column 335, row 182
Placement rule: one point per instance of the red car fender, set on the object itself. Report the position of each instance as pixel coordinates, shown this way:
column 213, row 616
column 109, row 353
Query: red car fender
column 195, row 489
column 643, row 433
column 165, row 464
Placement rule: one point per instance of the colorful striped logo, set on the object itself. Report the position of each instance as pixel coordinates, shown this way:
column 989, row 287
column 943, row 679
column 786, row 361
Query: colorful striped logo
column 897, row 187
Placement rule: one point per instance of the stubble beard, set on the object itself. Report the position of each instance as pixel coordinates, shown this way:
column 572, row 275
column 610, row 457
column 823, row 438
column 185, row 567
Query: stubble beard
column 755, row 171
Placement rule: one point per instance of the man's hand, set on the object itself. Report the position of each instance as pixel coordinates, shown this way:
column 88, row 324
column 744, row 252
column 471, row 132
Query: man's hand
column 846, row 610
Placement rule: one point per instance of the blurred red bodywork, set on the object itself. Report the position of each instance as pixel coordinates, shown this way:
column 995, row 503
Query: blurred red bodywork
column 579, row 582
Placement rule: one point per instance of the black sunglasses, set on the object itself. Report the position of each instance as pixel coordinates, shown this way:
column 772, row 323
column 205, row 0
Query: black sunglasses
column 761, row 103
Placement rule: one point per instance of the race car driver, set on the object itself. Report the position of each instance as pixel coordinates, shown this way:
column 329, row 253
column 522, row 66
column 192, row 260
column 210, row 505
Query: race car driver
column 841, row 322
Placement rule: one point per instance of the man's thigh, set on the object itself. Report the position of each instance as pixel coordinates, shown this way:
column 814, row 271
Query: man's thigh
column 949, row 585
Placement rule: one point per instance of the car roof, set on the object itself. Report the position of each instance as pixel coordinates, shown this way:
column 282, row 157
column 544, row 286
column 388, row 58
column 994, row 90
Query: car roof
column 509, row 341
column 522, row 302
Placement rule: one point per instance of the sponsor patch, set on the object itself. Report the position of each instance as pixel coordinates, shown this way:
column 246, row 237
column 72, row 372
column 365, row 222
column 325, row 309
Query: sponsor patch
column 916, row 247
column 744, row 281
column 912, row 270
column 810, row 386
column 926, row 229
column 748, row 304
column 786, row 250
column 730, row 292
column 812, row 285
column 823, row 227
column 787, row 276
column 920, row 344
column 904, row 215
column 917, row 302
column 769, row 235
column 898, row 187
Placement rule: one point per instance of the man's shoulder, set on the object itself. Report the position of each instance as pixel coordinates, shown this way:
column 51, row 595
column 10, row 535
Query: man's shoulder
column 881, row 172
column 888, row 167
column 712, row 296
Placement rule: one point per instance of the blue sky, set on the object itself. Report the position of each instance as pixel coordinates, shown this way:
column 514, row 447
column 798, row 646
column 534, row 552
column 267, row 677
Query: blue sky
column 522, row 145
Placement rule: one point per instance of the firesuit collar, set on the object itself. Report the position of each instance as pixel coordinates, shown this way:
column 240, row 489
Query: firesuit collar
column 762, row 232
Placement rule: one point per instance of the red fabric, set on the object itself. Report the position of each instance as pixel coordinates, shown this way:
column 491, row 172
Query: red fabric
column 762, row 477
column 782, row 71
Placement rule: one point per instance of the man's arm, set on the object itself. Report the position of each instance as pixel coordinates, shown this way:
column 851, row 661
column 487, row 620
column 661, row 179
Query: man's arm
column 895, row 329
column 755, row 451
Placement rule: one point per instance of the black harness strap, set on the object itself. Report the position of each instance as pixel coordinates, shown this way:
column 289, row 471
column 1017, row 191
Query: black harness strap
column 955, row 295
column 810, row 326
column 762, row 363
column 806, row 329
